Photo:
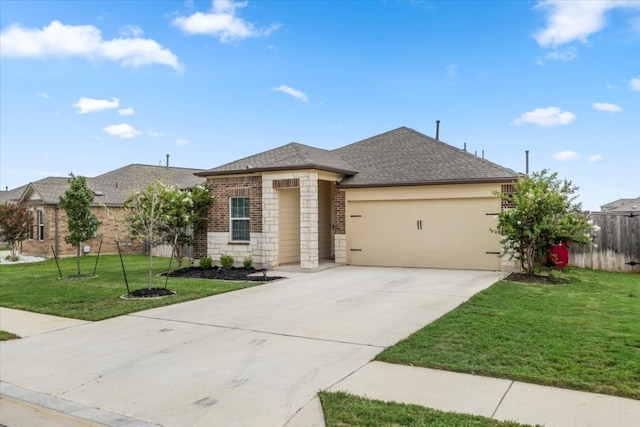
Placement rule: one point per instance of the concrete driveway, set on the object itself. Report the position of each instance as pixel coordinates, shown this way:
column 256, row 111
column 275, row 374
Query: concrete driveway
column 251, row 357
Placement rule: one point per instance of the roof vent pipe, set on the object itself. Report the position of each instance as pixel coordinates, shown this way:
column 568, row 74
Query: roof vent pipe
column 465, row 146
column 167, row 160
column 526, row 155
column 437, row 130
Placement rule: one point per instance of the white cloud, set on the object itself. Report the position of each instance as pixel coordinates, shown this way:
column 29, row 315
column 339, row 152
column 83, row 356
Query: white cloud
column 89, row 105
column 291, row 91
column 562, row 55
column 122, row 130
column 155, row 134
column 131, row 31
column 596, row 158
column 607, row 106
column 182, row 142
column 549, row 116
column 44, row 95
column 126, row 111
column 83, row 41
column 634, row 84
column 566, row 155
column 222, row 22
column 568, row 21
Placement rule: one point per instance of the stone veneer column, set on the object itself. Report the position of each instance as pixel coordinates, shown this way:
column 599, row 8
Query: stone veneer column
column 309, row 253
column 269, row 221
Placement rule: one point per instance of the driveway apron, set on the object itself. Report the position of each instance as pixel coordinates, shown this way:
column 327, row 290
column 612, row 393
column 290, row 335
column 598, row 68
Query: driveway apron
column 250, row 357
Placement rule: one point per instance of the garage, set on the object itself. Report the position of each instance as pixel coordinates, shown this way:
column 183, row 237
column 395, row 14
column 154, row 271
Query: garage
column 436, row 233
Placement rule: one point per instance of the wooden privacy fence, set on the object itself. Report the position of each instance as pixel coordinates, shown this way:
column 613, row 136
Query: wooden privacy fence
column 618, row 244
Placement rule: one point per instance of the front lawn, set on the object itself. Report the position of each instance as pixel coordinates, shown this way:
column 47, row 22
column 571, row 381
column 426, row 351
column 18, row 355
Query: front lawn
column 584, row 335
column 344, row 410
column 37, row 287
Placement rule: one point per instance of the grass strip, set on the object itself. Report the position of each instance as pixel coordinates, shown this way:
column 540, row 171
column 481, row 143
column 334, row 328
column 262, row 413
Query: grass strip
column 583, row 335
column 344, row 410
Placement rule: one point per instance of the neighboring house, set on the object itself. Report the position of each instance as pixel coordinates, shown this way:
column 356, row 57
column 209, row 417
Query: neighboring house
column 397, row 199
column 622, row 206
column 49, row 223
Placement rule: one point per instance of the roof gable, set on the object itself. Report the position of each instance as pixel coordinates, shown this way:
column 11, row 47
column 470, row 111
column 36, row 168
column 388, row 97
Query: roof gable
column 405, row 157
column 290, row 156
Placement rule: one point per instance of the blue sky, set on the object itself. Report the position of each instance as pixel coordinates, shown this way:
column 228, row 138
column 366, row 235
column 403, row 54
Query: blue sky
column 87, row 87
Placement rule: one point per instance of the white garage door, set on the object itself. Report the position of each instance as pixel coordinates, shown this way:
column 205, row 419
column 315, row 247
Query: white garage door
column 441, row 233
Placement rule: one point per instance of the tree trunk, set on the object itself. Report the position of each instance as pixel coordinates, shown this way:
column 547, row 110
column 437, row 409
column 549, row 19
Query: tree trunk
column 150, row 264
column 78, row 259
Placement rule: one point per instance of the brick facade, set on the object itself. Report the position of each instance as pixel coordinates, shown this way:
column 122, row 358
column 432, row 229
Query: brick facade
column 55, row 231
column 224, row 188
column 339, row 212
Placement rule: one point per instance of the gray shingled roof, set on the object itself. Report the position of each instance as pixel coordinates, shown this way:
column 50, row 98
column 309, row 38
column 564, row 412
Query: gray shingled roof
column 290, row 156
column 6, row 195
column 114, row 187
column 404, row 157
column 398, row 157
column 47, row 189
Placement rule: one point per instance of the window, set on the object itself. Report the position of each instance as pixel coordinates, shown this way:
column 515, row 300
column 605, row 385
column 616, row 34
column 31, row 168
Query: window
column 40, row 224
column 239, row 217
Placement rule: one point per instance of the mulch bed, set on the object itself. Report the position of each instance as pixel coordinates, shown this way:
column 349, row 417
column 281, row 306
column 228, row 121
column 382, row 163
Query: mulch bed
column 150, row 293
column 219, row 273
column 537, row 279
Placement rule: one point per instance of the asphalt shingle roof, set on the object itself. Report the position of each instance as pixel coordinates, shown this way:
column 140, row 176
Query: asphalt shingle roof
column 398, row 157
column 404, row 156
column 114, row 187
column 290, row 156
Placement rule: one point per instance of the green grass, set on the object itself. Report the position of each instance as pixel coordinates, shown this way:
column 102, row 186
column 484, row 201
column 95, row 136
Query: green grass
column 342, row 410
column 6, row 336
column 37, row 287
column 584, row 335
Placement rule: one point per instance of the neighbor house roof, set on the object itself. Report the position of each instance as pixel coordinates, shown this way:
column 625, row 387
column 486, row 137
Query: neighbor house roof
column 12, row 195
column 114, row 187
column 398, row 157
column 404, row 157
column 622, row 205
column 290, row 156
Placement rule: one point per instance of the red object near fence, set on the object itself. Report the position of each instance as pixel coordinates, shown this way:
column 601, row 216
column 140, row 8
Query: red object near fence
column 559, row 254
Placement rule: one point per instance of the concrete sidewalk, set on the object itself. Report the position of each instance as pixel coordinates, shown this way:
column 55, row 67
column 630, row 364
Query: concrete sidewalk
column 490, row 397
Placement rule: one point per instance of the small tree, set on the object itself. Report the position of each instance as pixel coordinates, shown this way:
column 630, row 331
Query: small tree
column 544, row 214
column 187, row 213
column 146, row 217
column 14, row 225
column 82, row 224
column 164, row 213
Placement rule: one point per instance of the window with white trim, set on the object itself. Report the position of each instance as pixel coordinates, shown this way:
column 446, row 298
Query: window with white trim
column 239, row 219
column 40, row 224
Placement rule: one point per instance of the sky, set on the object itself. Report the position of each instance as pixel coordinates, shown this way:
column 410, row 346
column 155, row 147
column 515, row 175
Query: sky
column 87, row 87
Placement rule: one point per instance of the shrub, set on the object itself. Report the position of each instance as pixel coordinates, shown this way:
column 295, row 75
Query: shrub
column 247, row 263
column 206, row 262
column 226, row 261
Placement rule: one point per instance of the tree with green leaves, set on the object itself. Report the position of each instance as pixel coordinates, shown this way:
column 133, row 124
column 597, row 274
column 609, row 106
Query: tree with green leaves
column 164, row 213
column 14, row 225
column 146, row 217
column 81, row 223
column 544, row 213
column 187, row 211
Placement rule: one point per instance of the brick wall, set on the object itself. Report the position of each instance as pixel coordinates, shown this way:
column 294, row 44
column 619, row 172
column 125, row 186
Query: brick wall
column 222, row 189
column 339, row 212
